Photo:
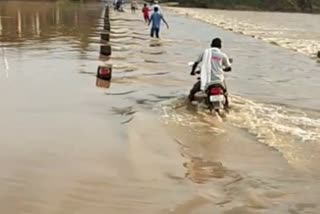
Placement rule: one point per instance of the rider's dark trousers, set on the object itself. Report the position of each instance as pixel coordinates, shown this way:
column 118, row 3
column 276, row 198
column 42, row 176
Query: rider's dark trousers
column 196, row 88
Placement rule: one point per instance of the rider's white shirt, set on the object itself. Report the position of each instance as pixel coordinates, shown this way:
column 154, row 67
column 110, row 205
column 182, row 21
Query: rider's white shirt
column 213, row 61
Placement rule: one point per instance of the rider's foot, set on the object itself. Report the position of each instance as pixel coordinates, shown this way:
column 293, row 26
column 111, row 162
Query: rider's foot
column 227, row 108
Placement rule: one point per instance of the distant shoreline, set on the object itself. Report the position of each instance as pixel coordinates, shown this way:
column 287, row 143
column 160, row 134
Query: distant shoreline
column 289, row 9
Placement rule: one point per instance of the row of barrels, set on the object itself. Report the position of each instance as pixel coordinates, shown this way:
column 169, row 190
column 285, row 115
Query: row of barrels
column 105, row 49
column 104, row 72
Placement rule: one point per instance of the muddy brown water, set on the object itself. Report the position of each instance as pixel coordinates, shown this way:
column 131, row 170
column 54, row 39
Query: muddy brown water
column 73, row 144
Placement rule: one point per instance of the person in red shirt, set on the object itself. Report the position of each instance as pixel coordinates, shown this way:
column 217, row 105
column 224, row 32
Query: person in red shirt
column 145, row 11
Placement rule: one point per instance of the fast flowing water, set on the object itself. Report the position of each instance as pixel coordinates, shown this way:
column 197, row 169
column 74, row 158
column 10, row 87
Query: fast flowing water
column 298, row 32
column 73, row 144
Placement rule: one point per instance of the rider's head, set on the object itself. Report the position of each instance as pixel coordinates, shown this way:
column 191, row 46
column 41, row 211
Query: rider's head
column 156, row 9
column 216, row 43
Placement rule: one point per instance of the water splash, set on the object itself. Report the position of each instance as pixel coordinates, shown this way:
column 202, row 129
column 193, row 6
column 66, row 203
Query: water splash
column 293, row 132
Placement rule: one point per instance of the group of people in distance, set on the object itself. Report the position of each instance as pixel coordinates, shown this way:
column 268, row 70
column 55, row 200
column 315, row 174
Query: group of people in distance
column 155, row 19
column 117, row 5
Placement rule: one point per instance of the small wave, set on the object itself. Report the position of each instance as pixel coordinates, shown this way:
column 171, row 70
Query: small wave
column 139, row 38
column 295, row 133
column 286, row 129
column 151, row 61
column 120, row 36
column 153, row 52
column 156, row 74
column 139, row 33
column 128, row 121
column 121, row 40
column 118, row 57
column 119, row 30
column 123, row 111
column 175, row 110
column 124, row 67
column 275, row 118
column 122, row 93
column 120, row 49
column 163, row 97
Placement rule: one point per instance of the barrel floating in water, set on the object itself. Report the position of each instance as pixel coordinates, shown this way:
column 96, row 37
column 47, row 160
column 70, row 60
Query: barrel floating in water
column 105, row 37
column 106, row 20
column 104, row 72
column 106, row 13
column 106, row 27
column 105, row 50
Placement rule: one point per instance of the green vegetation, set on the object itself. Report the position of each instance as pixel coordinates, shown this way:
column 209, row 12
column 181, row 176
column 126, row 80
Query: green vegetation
column 273, row 5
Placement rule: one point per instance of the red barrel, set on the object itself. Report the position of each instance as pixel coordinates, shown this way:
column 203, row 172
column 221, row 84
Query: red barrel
column 104, row 72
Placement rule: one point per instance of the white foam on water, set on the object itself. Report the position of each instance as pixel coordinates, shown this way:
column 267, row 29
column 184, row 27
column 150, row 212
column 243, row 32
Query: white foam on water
column 288, row 130
column 171, row 113
column 295, row 133
column 277, row 118
column 286, row 37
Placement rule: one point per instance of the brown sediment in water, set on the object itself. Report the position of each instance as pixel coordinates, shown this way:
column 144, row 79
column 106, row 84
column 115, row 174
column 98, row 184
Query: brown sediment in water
column 68, row 146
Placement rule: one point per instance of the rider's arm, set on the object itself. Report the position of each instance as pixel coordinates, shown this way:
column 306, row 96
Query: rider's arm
column 226, row 63
column 195, row 65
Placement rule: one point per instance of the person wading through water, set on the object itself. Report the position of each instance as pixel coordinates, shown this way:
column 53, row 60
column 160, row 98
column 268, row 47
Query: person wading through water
column 155, row 19
column 145, row 11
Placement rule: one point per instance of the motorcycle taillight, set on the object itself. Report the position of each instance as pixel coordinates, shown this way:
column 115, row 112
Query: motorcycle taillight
column 216, row 91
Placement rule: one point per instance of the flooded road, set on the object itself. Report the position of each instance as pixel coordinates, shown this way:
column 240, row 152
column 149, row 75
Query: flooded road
column 73, row 144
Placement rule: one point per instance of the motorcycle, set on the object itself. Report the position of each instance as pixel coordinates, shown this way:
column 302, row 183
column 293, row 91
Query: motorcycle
column 215, row 96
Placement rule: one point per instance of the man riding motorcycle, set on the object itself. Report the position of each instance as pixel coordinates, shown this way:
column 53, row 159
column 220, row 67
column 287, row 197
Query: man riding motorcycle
column 214, row 64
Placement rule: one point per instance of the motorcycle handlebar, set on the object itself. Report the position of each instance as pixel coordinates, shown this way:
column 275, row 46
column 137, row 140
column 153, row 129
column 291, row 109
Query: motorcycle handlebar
column 194, row 73
column 199, row 71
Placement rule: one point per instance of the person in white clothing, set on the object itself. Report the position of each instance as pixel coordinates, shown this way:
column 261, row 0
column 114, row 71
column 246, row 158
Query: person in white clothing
column 114, row 3
column 156, row 4
column 214, row 64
